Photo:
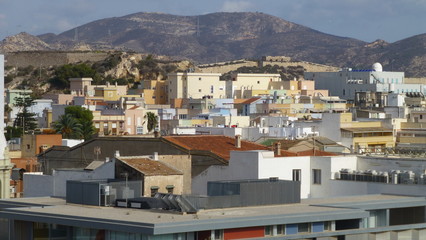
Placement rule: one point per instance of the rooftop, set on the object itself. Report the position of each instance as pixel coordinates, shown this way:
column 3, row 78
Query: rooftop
column 148, row 166
column 53, row 210
column 216, row 144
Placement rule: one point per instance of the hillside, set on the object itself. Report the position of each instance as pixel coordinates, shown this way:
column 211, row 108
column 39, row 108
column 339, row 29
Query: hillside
column 229, row 36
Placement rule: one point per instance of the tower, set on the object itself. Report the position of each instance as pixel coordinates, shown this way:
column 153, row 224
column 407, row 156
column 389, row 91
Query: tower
column 5, row 165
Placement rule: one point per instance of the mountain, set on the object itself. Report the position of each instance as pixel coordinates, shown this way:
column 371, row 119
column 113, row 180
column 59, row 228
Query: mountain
column 23, row 42
column 206, row 38
column 229, row 36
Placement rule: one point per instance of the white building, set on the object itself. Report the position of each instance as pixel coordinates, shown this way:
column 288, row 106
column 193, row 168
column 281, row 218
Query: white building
column 320, row 177
column 348, row 81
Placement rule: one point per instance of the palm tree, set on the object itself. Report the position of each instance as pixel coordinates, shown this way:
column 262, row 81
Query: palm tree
column 152, row 121
column 87, row 130
column 68, row 126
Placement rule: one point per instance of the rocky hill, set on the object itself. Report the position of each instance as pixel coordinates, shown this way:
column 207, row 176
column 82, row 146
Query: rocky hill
column 229, row 36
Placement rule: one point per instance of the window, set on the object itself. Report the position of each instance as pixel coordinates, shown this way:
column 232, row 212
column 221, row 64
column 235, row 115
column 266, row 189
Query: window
column 199, row 79
column 139, row 130
column 304, row 227
column 218, row 234
column 297, row 175
column 316, row 176
column 199, row 90
column 280, row 229
column 258, row 82
column 268, row 230
column 211, row 89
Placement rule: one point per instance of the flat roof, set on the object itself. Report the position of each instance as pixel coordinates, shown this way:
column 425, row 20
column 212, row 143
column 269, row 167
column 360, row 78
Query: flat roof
column 367, row 129
column 55, row 210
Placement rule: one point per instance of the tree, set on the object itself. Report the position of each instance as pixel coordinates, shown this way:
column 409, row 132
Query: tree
column 65, row 72
column 85, row 118
column 152, row 121
column 25, row 119
column 87, row 130
column 68, row 126
column 80, row 113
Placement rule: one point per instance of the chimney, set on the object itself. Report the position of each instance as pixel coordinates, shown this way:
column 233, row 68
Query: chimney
column 117, row 154
column 155, row 156
column 277, row 150
column 238, row 141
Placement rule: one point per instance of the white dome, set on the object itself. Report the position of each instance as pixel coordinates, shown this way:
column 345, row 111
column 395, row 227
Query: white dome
column 377, row 67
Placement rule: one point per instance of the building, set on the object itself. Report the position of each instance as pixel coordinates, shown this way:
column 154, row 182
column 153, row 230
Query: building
column 5, row 164
column 347, row 82
column 34, row 144
column 363, row 217
column 239, row 83
column 195, row 85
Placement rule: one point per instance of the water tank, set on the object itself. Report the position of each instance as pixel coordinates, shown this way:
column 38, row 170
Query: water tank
column 377, row 67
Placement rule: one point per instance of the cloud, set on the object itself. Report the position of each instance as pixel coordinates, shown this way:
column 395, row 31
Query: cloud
column 236, row 6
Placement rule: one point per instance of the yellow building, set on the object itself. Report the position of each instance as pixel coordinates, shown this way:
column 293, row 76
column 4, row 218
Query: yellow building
column 195, row 85
column 371, row 136
column 155, row 91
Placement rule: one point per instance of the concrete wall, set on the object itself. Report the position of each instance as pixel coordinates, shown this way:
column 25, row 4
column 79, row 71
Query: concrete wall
column 183, row 164
column 243, row 165
column 55, row 184
column 33, row 182
column 161, row 182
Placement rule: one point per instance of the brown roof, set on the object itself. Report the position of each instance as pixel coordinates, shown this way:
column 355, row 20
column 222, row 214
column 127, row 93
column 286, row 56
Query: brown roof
column 218, row 145
column 251, row 100
column 367, row 129
column 239, row 100
column 149, row 167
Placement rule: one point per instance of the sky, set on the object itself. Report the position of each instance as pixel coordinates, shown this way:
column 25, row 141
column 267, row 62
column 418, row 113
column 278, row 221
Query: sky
column 390, row 20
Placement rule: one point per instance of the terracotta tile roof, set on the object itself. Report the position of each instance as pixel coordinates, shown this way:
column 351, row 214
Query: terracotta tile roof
column 251, row 100
column 148, row 166
column 218, row 145
column 239, row 100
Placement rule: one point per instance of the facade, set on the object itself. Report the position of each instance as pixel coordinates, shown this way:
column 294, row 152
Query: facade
column 347, row 82
column 32, row 145
column 363, row 217
column 195, row 85
column 54, row 185
column 154, row 91
column 241, row 82
column 156, row 175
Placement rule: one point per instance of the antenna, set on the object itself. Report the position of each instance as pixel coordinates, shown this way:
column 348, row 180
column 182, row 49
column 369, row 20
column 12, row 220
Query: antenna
column 198, row 26
column 76, row 34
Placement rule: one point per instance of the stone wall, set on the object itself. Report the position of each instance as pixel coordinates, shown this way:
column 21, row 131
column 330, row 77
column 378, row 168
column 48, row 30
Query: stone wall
column 24, row 59
column 225, row 67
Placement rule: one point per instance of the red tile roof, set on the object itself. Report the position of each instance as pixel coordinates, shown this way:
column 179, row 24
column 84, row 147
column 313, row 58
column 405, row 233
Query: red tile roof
column 221, row 146
column 149, row 167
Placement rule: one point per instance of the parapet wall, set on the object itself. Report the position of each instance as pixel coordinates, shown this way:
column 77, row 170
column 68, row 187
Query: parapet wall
column 24, row 59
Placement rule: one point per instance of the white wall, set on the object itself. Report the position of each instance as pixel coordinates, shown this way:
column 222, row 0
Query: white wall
column 283, row 169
